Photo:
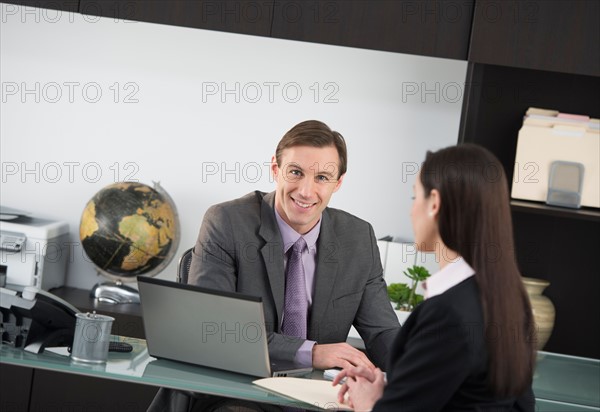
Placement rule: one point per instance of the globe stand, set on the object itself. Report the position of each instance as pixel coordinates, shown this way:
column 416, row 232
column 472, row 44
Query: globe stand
column 115, row 292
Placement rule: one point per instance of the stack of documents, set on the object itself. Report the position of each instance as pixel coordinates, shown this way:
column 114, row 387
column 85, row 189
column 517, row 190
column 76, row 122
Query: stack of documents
column 547, row 136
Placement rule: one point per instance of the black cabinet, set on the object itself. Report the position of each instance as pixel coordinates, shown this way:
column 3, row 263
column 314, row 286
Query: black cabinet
column 235, row 16
column 559, row 245
column 428, row 28
column 556, row 35
column 563, row 250
column 58, row 391
column 26, row 389
column 63, row 5
column 15, row 388
column 541, row 54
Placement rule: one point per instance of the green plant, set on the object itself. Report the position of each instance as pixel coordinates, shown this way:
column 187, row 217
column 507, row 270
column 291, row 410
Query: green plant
column 405, row 296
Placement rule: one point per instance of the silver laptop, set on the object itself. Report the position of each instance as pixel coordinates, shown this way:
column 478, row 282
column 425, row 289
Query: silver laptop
column 208, row 327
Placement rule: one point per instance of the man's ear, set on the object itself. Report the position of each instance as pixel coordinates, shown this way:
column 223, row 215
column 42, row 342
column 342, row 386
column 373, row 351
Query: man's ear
column 274, row 167
column 338, row 184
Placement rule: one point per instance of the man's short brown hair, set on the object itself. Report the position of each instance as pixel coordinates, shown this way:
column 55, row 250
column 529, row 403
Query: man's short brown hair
column 316, row 134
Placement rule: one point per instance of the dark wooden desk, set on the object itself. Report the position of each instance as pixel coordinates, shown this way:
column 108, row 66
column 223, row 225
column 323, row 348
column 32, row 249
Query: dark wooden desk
column 128, row 316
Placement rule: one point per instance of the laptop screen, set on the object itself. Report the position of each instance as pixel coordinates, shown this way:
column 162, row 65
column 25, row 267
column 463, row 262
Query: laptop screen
column 205, row 327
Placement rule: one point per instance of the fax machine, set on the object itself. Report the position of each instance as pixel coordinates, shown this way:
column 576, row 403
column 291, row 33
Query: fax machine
column 33, row 251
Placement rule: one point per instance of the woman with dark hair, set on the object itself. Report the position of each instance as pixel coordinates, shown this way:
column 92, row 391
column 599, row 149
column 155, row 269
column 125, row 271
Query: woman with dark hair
column 470, row 345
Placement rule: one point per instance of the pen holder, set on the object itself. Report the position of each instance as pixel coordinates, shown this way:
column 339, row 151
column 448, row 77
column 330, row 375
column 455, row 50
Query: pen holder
column 92, row 337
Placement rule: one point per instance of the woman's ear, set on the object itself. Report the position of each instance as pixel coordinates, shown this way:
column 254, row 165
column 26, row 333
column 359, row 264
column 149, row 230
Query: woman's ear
column 434, row 202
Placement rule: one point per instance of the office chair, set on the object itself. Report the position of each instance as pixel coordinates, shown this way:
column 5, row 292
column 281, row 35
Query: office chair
column 183, row 267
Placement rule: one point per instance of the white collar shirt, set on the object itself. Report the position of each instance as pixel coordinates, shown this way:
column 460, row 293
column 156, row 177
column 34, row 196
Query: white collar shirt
column 451, row 275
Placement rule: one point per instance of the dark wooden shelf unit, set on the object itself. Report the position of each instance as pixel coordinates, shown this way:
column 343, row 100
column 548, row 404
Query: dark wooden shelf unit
column 71, row 6
column 234, row 16
column 497, row 97
column 556, row 35
column 541, row 54
column 556, row 244
column 425, row 27
column 564, row 251
column 524, row 206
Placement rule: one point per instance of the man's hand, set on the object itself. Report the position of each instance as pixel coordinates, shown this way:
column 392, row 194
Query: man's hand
column 339, row 355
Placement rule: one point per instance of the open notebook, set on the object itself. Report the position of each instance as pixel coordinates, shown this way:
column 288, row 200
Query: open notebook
column 318, row 393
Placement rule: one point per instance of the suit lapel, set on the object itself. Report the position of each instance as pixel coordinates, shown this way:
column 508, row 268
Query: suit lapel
column 328, row 254
column 272, row 253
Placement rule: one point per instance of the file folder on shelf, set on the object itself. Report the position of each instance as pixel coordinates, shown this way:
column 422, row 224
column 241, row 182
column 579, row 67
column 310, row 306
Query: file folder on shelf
column 547, row 136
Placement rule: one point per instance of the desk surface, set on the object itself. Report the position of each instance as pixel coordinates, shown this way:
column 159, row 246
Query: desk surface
column 566, row 382
column 567, row 379
column 139, row 367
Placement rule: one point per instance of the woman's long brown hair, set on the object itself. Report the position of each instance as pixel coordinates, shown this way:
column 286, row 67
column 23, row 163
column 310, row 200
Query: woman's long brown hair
column 475, row 221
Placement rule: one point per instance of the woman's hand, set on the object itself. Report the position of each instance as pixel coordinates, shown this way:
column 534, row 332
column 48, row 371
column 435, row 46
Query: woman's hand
column 362, row 387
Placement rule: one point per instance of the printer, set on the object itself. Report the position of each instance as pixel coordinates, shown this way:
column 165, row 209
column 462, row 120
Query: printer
column 33, row 251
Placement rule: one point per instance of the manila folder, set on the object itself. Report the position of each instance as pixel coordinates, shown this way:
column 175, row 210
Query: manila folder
column 318, row 393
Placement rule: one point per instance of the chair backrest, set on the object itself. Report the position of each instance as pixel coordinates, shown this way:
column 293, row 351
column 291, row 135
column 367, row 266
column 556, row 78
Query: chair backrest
column 183, row 267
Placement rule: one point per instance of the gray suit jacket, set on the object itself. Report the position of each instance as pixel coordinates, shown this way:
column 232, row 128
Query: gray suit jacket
column 239, row 248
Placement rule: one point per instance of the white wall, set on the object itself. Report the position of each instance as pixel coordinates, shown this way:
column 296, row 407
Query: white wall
column 390, row 107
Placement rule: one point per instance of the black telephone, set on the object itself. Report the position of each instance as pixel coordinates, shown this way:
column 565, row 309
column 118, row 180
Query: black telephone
column 34, row 319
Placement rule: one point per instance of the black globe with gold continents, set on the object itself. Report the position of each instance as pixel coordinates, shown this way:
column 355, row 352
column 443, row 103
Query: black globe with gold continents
column 129, row 229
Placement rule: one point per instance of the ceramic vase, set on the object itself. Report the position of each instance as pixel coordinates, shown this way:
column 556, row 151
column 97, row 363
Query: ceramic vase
column 543, row 309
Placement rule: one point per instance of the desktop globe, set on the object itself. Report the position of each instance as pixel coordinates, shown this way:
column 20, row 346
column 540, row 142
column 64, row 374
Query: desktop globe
column 128, row 229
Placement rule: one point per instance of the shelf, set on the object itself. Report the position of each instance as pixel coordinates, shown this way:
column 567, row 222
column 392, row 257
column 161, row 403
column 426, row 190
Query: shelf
column 589, row 214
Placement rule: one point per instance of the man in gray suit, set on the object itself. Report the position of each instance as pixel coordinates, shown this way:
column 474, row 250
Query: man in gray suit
column 243, row 244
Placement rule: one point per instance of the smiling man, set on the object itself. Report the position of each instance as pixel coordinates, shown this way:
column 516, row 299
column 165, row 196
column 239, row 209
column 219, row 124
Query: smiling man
column 317, row 269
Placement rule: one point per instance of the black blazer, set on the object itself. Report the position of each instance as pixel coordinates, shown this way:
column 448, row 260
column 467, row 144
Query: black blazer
column 439, row 359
